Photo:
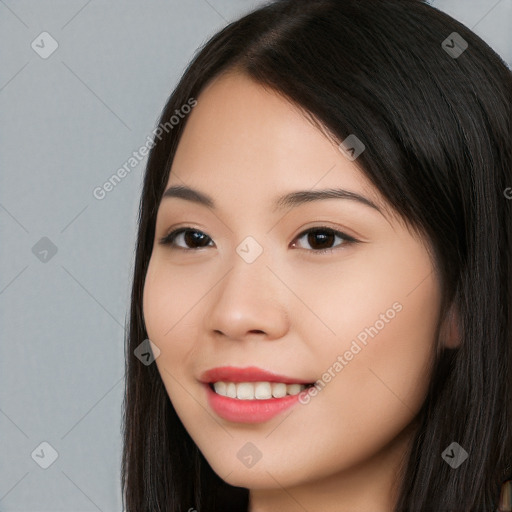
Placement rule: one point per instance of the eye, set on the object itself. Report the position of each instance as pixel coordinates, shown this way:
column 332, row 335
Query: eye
column 318, row 237
column 323, row 236
column 190, row 236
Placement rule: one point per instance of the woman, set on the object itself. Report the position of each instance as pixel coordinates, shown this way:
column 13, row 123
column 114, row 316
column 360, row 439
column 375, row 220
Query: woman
column 323, row 270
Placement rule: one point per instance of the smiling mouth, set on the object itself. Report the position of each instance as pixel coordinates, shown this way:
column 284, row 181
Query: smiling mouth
column 256, row 390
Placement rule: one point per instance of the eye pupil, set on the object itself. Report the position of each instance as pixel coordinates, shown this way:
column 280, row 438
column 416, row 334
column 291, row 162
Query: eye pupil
column 195, row 237
column 324, row 237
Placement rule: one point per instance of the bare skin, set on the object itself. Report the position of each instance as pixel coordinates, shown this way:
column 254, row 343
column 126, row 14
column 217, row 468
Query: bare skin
column 292, row 310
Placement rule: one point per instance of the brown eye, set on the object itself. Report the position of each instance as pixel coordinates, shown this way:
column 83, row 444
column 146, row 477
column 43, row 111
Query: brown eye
column 192, row 238
column 322, row 238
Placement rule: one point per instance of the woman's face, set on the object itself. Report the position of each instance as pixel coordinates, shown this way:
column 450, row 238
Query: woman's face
column 247, row 286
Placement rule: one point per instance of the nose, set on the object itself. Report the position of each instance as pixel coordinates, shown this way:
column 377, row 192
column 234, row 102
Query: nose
column 249, row 301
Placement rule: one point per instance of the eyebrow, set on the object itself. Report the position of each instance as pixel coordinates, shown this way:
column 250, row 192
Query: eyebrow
column 290, row 200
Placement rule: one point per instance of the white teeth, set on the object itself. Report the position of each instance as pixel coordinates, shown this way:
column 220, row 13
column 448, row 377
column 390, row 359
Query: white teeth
column 294, row 389
column 262, row 390
column 245, row 391
column 231, row 390
column 278, row 389
column 220, row 388
column 256, row 390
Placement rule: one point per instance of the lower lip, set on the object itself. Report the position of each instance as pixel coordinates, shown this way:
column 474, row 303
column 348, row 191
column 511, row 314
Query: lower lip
column 248, row 411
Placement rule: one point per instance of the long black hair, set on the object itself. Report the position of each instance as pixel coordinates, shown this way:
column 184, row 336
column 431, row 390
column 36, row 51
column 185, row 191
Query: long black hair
column 433, row 109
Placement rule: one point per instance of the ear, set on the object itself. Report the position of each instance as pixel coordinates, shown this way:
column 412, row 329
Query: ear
column 449, row 334
column 506, row 497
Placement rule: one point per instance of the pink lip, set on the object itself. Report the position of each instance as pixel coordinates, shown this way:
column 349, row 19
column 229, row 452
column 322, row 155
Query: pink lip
column 248, row 374
column 247, row 411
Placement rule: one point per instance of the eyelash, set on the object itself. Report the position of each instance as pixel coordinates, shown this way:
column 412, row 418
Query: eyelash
column 170, row 238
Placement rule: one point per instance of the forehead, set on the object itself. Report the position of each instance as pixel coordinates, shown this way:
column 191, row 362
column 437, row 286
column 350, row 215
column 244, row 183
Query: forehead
column 245, row 140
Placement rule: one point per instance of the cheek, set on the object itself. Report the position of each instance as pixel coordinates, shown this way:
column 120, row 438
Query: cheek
column 169, row 297
column 171, row 301
column 154, row 304
column 374, row 393
column 161, row 317
column 382, row 312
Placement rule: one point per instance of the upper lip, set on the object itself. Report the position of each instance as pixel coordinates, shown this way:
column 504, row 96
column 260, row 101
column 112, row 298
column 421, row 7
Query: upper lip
column 246, row 374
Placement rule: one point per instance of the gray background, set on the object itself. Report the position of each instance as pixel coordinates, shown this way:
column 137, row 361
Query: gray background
column 68, row 122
